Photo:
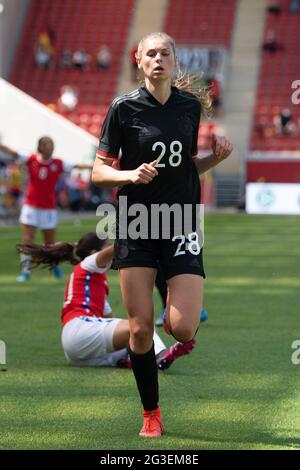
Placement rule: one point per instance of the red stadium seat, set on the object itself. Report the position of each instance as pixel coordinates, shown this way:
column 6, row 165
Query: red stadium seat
column 188, row 21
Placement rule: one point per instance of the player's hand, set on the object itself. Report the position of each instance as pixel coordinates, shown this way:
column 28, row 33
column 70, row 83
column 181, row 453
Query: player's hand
column 221, row 147
column 144, row 174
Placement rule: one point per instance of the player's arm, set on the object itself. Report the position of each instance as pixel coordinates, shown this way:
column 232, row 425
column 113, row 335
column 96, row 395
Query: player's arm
column 9, row 151
column 100, row 261
column 83, row 166
column 221, row 149
column 105, row 175
column 204, row 164
column 20, row 159
column 110, row 143
column 107, row 310
column 104, row 257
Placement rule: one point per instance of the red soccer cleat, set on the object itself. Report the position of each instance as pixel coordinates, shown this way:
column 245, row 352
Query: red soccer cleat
column 124, row 363
column 153, row 425
column 167, row 357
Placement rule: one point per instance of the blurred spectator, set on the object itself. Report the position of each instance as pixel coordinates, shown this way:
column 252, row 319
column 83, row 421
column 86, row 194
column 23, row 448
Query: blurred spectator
column 5, row 158
column 74, row 196
column 294, row 6
column 66, row 59
column 284, row 123
column 44, row 46
column 76, row 189
column 241, row 206
column 271, row 43
column 215, row 90
column 264, row 128
column 95, row 197
column 68, row 99
column 11, row 182
column 14, row 188
column 80, row 59
column 46, row 38
column 133, row 64
column 103, row 57
column 42, row 57
column 62, row 194
column 274, row 7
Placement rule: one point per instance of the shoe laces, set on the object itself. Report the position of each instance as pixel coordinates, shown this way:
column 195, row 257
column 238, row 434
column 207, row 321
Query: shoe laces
column 152, row 420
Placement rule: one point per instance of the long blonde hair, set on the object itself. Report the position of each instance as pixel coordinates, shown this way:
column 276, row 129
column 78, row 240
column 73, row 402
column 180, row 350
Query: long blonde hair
column 183, row 80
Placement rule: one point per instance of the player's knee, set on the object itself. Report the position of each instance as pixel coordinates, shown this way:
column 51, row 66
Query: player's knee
column 141, row 333
column 184, row 333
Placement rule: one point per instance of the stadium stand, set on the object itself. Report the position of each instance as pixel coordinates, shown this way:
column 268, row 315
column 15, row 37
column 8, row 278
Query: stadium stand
column 76, row 25
column 277, row 72
column 93, row 23
column 195, row 22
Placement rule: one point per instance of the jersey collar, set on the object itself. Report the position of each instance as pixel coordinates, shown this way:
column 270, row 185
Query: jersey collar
column 41, row 160
column 146, row 93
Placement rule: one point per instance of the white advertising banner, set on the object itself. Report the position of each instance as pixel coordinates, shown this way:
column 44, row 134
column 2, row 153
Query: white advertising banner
column 273, row 198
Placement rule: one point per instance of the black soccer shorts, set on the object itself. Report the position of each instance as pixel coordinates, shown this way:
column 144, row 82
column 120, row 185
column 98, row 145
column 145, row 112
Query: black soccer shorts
column 177, row 256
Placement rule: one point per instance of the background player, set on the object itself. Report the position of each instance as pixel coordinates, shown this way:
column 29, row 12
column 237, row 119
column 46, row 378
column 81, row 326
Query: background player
column 156, row 127
column 39, row 207
column 90, row 334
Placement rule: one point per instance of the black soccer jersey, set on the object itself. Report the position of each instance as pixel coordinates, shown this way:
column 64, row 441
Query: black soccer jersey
column 145, row 130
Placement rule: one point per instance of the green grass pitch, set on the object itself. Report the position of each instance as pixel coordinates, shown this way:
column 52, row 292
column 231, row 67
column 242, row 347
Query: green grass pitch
column 237, row 390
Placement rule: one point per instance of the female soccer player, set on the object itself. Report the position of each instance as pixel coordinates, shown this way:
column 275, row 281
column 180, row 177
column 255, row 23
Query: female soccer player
column 90, row 334
column 39, row 208
column 156, row 127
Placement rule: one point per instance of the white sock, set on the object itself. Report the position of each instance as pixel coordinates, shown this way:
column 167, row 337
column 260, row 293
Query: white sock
column 159, row 346
column 25, row 263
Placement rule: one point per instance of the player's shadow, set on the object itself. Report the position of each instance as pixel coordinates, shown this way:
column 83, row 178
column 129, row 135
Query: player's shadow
column 239, row 438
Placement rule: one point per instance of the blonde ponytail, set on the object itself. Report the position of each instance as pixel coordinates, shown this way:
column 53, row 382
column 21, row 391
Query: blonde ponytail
column 190, row 83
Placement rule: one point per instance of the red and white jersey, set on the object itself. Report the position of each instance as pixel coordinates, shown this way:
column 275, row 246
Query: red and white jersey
column 43, row 176
column 86, row 291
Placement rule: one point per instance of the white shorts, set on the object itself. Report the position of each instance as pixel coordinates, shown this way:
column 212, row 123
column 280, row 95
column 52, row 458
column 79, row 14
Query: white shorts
column 87, row 341
column 44, row 219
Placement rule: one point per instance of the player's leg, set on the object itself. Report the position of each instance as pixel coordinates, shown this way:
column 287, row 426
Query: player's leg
column 99, row 342
column 49, row 236
column 117, row 341
column 83, row 342
column 184, row 304
column 183, row 267
column 48, row 223
column 137, row 287
column 28, row 234
column 162, row 288
column 90, row 341
column 120, row 337
column 120, row 340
